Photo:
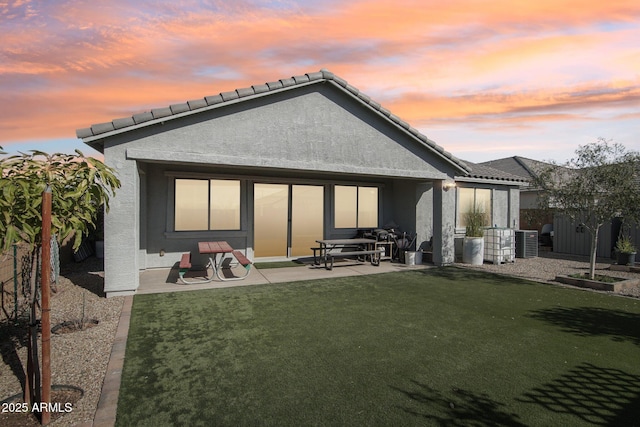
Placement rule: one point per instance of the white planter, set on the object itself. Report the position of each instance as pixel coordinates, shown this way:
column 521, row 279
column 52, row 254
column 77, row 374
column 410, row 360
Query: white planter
column 473, row 250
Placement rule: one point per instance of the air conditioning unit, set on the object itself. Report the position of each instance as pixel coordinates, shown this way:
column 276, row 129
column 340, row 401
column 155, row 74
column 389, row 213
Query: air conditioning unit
column 526, row 243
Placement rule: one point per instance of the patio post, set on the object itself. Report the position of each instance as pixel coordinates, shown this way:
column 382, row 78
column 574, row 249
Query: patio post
column 444, row 219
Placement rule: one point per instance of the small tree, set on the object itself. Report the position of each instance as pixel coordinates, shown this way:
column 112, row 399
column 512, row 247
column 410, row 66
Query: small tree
column 599, row 184
column 79, row 186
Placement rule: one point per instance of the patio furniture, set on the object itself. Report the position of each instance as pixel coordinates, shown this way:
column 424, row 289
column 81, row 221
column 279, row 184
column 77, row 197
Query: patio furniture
column 360, row 249
column 213, row 249
column 403, row 243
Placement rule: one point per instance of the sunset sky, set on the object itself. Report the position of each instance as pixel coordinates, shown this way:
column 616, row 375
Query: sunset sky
column 483, row 79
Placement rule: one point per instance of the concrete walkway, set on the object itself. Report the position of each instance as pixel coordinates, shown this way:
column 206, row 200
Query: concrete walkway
column 164, row 280
column 108, row 404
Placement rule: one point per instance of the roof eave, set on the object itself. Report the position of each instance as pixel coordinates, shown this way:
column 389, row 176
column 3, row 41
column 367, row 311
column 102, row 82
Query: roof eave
column 401, row 125
column 94, row 135
column 94, row 138
column 479, row 180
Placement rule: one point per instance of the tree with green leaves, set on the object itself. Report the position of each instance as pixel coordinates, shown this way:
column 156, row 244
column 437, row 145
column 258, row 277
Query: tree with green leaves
column 599, row 184
column 79, row 188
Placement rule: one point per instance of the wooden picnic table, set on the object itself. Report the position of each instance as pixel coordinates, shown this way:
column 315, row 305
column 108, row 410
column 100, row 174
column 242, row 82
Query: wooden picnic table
column 213, row 249
column 344, row 248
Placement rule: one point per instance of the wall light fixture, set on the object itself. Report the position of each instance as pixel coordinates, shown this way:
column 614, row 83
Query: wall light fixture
column 448, row 185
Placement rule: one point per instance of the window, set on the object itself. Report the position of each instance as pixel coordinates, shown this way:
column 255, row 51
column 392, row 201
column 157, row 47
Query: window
column 346, row 206
column 468, row 197
column 224, row 212
column 367, row 207
column 207, row 204
column 356, row 207
column 192, row 203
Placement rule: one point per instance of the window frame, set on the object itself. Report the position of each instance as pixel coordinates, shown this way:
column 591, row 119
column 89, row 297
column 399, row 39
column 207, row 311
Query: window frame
column 208, row 179
column 460, row 213
column 357, row 201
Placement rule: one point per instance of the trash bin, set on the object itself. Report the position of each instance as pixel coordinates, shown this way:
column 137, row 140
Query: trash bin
column 412, row 258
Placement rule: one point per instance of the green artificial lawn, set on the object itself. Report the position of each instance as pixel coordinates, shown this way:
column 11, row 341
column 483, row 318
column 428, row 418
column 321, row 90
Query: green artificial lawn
column 449, row 347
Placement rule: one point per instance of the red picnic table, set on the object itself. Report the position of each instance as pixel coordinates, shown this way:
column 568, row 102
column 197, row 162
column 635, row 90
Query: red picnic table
column 213, row 249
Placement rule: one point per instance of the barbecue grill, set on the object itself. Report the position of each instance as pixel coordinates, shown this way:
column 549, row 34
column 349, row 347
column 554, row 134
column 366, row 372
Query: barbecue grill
column 402, row 241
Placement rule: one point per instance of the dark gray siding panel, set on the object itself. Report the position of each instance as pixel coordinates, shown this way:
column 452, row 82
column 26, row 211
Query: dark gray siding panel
column 572, row 238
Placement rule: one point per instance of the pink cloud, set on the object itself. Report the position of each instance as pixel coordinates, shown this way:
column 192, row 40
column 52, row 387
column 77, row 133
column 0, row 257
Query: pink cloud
column 74, row 63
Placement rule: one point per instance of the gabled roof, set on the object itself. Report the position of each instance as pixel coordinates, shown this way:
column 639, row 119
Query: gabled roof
column 96, row 133
column 516, row 165
column 480, row 171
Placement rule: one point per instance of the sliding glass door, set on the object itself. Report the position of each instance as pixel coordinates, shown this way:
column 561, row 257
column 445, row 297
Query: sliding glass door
column 307, row 218
column 288, row 219
column 271, row 217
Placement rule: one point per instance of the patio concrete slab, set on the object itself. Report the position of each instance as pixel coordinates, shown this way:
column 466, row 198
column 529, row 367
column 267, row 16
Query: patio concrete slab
column 341, row 269
column 166, row 280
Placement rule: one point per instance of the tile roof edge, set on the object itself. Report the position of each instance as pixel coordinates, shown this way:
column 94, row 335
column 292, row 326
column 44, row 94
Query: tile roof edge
column 157, row 115
column 399, row 123
column 492, row 180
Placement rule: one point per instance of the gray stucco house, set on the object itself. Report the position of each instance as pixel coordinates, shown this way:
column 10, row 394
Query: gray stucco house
column 272, row 167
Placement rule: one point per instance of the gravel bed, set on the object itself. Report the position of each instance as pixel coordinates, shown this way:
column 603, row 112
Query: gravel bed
column 548, row 265
column 78, row 358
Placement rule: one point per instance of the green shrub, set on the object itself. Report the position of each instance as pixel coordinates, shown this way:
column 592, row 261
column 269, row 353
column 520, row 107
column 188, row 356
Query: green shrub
column 625, row 245
column 475, row 220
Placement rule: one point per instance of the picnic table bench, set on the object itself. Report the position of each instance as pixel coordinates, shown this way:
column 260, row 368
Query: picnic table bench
column 361, row 249
column 213, row 249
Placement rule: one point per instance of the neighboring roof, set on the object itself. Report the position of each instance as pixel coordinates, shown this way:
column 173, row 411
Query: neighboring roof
column 480, row 171
column 94, row 134
column 516, row 165
column 484, row 172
